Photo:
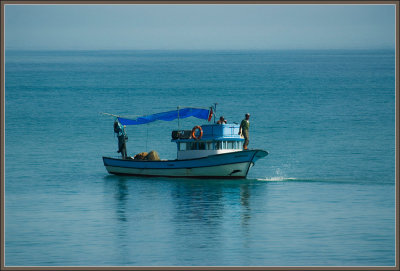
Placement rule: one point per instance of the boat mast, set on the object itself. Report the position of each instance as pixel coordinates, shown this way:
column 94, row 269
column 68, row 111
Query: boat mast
column 178, row 120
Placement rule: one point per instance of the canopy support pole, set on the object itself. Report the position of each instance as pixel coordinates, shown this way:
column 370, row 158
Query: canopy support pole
column 179, row 127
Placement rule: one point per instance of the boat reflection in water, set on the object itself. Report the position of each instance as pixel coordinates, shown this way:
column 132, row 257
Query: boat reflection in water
column 182, row 213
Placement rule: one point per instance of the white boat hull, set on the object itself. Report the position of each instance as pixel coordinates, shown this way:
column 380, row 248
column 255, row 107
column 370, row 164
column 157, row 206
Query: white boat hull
column 228, row 165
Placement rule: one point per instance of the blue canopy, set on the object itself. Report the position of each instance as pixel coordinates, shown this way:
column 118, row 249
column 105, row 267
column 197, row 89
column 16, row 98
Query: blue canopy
column 170, row 115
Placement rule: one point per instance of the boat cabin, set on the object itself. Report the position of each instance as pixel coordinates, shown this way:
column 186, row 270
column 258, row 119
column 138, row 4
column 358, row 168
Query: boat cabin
column 209, row 140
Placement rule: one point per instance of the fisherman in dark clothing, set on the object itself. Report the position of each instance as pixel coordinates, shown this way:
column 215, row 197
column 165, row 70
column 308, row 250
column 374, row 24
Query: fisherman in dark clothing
column 120, row 131
column 244, row 130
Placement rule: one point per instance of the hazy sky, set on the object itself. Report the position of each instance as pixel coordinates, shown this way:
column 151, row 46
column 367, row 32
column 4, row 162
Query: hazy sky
column 187, row 26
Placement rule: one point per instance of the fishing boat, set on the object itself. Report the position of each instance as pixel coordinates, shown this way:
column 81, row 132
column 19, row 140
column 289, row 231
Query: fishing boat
column 206, row 151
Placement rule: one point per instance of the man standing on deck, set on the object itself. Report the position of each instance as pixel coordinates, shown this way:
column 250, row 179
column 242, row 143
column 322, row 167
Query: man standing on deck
column 120, row 131
column 244, row 130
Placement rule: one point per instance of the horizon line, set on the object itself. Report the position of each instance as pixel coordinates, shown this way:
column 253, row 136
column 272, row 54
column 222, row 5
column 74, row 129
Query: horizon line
column 196, row 49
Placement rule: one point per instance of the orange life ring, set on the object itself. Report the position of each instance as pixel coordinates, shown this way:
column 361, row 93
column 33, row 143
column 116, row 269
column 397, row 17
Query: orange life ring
column 194, row 132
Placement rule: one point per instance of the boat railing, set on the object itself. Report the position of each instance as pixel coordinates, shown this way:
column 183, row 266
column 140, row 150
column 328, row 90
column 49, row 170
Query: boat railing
column 209, row 131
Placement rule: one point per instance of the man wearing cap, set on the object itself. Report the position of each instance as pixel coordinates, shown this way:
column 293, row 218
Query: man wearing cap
column 244, row 130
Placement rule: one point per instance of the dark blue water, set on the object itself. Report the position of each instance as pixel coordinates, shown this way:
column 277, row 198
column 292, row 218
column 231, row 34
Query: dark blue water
column 324, row 196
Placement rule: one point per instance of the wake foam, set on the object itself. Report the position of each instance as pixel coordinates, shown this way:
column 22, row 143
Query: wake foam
column 276, row 179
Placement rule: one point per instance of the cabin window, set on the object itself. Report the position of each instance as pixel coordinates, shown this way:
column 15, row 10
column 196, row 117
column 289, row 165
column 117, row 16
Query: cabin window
column 224, row 147
column 182, row 146
column 209, row 146
column 218, row 145
column 234, row 145
column 231, row 145
column 202, row 146
column 190, row 146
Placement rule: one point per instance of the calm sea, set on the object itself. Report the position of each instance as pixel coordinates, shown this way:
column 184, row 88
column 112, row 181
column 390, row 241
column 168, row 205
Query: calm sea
column 324, row 196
